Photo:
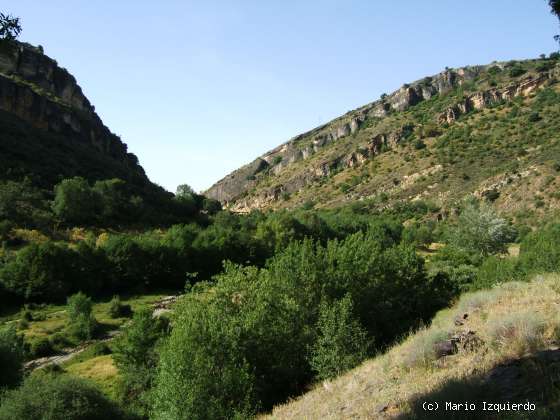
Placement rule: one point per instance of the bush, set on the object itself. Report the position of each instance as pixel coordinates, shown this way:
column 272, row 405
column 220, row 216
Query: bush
column 516, row 71
column 518, row 332
column 342, row 343
column 11, row 357
column 75, row 202
column 540, row 250
column 419, row 145
column 136, row 357
column 57, row 397
column 118, row 309
column 40, row 347
column 421, row 350
column 534, row 117
column 495, row 270
column 481, row 231
column 41, row 272
column 27, row 315
column 82, row 323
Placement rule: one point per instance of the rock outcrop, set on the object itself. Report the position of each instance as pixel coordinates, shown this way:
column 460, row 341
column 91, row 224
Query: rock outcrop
column 484, row 99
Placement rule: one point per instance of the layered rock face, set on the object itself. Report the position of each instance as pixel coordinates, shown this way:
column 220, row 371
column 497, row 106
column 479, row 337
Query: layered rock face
column 35, row 89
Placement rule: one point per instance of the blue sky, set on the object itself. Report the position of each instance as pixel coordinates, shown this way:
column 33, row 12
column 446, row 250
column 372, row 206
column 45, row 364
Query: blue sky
column 198, row 88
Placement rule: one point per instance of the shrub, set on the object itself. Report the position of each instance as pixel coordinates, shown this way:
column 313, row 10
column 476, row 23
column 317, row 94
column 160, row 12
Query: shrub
column 516, row 71
column 50, row 396
column 421, row 351
column 23, row 324
column 11, row 357
column 342, row 343
column 43, row 272
column 82, row 323
column 518, row 332
column 41, row 347
column 540, row 250
column 419, row 145
column 136, row 357
column 59, row 341
column 118, row 309
column 495, row 270
column 27, row 315
column 74, row 201
column 481, row 231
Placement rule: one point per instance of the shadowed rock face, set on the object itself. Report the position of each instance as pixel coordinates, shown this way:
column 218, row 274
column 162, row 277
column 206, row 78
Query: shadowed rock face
column 35, row 89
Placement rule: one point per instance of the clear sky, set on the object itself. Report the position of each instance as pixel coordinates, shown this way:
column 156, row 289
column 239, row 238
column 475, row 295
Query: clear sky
column 198, row 88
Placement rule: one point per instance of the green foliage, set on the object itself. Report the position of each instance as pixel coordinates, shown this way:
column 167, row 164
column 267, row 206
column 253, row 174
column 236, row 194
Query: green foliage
column 40, row 272
column 420, row 234
column 10, row 28
column 419, row 145
column 117, row 309
column 252, row 334
column 22, row 204
column 495, row 270
column 74, row 201
column 135, row 354
column 40, row 347
column 540, row 250
column 57, row 397
column 11, row 357
column 342, row 343
column 82, row 323
column 516, row 71
column 481, row 231
column 202, row 373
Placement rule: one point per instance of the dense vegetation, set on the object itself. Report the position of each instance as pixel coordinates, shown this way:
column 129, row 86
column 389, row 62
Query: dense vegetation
column 305, row 295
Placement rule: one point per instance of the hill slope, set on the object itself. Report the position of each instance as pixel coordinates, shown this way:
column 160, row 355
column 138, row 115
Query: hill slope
column 493, row 346
column 489, row 130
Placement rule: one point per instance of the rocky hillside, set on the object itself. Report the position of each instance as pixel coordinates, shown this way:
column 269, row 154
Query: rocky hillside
column 489, row 130
column 49, row 128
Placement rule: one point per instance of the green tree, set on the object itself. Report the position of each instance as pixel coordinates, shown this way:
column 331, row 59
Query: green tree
column 10, row 27
column 342, row 343
column 41, row 272
column 60, row 397
column 481, row 231
column 75, row 201
column 555, row 9
column 113, row 201
column 202, row 373
column 11, row 357
column 135, row 354
column 82, row 323
column 22, row 204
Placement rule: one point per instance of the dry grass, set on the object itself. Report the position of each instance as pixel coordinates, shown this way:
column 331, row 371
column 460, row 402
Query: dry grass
column 512, row 320
column 100, row 369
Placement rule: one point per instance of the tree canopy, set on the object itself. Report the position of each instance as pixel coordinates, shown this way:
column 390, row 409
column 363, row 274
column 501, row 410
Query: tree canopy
column 10, row 27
